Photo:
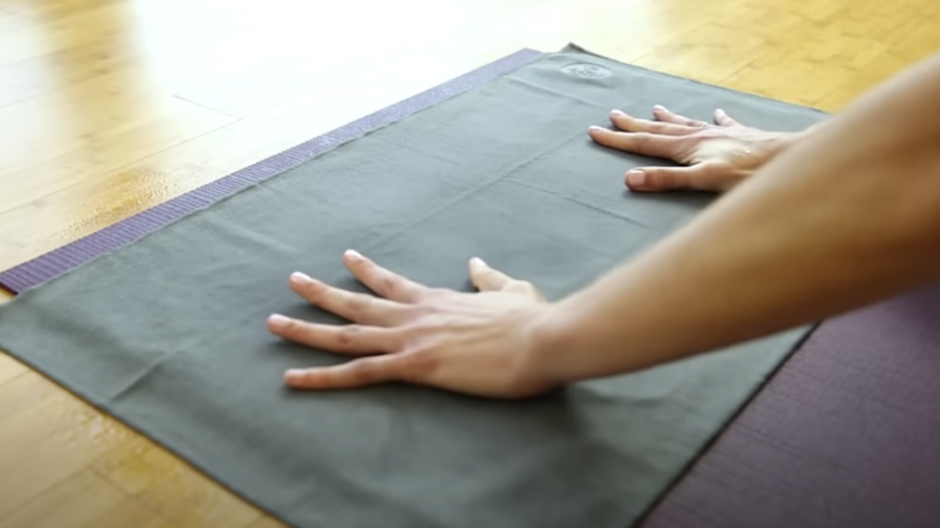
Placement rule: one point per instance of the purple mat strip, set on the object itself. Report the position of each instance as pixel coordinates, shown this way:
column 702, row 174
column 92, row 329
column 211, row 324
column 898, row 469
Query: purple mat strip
column 63, row 259
column 847, row 434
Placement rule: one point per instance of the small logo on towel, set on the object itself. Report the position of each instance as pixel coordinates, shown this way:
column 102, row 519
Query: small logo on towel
column 587, row 71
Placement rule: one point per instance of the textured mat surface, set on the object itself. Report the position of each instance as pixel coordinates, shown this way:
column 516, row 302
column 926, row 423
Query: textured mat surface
column 846, row 434
column 168, row 333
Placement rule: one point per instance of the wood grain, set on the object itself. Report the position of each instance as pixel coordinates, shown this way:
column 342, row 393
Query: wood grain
column 110, row 107
column 10, row 368
column 85, row 500
column 47, row 436
column 142, row 469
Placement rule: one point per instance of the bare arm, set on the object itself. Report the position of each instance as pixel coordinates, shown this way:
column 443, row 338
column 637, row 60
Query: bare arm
column 848, row 217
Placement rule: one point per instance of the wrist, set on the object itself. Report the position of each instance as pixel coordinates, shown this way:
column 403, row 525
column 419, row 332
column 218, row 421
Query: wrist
column 571, row 342
column 776, row 144
column 552, row 341
column 784, row 141
column 796, row 137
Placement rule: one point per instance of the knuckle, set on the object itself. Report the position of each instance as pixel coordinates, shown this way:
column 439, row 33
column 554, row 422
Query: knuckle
column 313, row 378
column 363, row 371
column 293, row 328
column 347, row 337
column 358, row 303
column 608, row 138
column 632, row 124
column 719, row 176
column 418, row 365
column 302, row 377
column 657, row 178
column 658, row 128
column 362, row 263
column 674, row 119
column 710, row 170
column 390, row 284
column 315, row 289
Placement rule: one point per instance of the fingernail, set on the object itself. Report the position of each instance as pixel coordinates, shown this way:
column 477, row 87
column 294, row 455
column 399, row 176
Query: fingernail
column 300, row 278
column 477, row 261
column 293, row 375
column 636, row 177
column 659, row 107
column 278, row 321
column 353, row 255
column 617, row 113
column 720, row 112
column 595, row 128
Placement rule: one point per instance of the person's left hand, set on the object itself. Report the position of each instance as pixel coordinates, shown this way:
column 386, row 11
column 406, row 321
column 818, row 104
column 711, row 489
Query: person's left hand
column 476, row 343
column 713, row 157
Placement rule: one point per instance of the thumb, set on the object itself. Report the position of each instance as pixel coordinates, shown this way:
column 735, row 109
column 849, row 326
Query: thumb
column 654, row 179
column 486, row 278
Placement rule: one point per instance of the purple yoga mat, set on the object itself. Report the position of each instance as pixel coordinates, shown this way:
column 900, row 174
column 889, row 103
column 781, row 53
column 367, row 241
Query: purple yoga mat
column 847, row 434
column 65, row 258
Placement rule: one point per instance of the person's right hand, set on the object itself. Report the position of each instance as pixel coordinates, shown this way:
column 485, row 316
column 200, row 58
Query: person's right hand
column 489, row 344
column 714, row 157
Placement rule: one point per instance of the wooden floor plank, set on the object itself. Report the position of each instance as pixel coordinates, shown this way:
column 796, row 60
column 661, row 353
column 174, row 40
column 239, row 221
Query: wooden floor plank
column 10, row 368
column 85, row 500
column 47, row 436
column 183, row 495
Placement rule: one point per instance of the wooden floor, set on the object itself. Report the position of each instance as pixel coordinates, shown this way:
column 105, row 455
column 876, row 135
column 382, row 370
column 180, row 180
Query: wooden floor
column 108, row 107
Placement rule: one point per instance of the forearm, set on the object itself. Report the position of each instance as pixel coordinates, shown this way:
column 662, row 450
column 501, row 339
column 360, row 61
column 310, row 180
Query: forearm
column 849, row 217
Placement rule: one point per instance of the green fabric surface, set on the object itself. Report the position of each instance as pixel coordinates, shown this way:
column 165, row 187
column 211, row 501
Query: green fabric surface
column 168, row 334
